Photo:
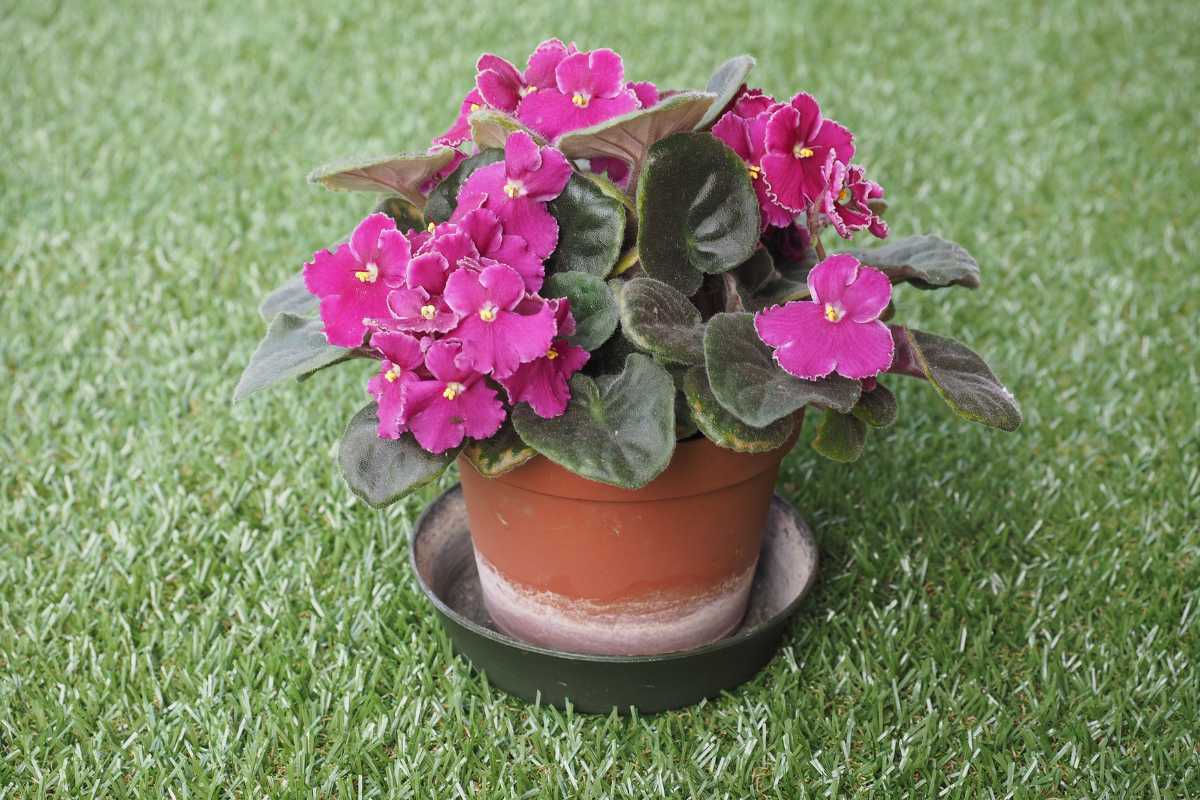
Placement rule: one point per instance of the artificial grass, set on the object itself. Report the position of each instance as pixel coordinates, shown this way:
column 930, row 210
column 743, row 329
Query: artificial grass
column 192, row 604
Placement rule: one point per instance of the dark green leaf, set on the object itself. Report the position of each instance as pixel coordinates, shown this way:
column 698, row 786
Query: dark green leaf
column 292, row 297
column 660, row 320
column 964, row 381
column 444, row 198
column 500, row 454
column 400, row 174
column 755, row 271
column 840, row 437
column 927, row 262
column 592, row 305
column 751, row 386
column 294, row 347
column 629, row 136
column 381, row 471
column 877, row 407
column 697, row 212
column 725, row 83
column 609, row 358
column 591, row 227
column 403, row 213
column 618, row 429
column 723, row 428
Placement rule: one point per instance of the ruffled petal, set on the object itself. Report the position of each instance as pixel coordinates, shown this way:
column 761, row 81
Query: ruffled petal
column 866, row 298
column 862, row 349
column 364, row 242
column 540, row 69
column 394, row 253
column 828, row 280
column 330, row 273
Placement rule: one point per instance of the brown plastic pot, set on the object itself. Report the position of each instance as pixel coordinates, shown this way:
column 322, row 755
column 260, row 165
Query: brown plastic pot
column 579, row 566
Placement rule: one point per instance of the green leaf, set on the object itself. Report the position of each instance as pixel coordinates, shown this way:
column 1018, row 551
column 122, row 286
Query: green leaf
column 381, row 471
column 501, row 453
column 778, row 290
column 877, row 407
column 964, row 381
column 292, row 297
column 592, row 305
column 755, row 271
column 629, row 136
column 840, row 437
column 609, row 358
column 490, row 128
column 726, row 430
column 591, row 227
column 660, row 320
column 294, row 347
column 927, row 262
column 444, row 197
column 400, row 174
column 617, row 429
column 697, row 211
column 725, row 83
column 751, row 386
column 406, row 215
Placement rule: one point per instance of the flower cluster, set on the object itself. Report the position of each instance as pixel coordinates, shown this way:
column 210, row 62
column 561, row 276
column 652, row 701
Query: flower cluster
column 453, row 311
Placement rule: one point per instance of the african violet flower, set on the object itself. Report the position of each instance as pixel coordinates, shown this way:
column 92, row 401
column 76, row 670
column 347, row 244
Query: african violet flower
column 838, row 328
column 496, row 335
column 492, row 241
column 589, row 87
column 460, row 130
column 354, row 280
column 517, row 189
column 502, row 87
column 402, row 357
column 454, row 403
column 845, row 201
column 543, row 382
column 798, row 141
column 746, row 136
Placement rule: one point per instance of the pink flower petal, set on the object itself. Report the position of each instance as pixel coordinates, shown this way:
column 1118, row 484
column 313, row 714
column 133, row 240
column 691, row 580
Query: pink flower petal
column 521, row 155
column 460, row 130
column 543, row 382
column 364, row 242
column 828, row 280
column 540, row 69
column 394, row 254
column 798, row 332
column 400, row 349
column 331, row 272
column 645, row 92
column 785, row 181
column 734, row 131
column 866, row 298
column 782, row 133
column 863, row 350
column 428, row 271
column 498, row 82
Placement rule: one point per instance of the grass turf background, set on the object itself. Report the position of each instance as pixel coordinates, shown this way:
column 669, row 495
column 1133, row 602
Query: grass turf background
column 193, row 605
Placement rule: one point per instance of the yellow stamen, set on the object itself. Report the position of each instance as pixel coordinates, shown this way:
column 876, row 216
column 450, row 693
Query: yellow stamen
column 453, row 390
column 488, row 313
column 844, row 196
column 802, row 152
column 551, row 354
column 474, row 107
column 527, row 90
column 428, row 312
column 513, row 189
column 754, row 172
column 833, row 313
column 367, row 275
column 580, row 99
column 431, row 227
column 392, row 374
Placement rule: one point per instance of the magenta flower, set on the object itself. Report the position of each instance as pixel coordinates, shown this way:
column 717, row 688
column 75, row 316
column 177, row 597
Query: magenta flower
column 544, row 61
column 499, row 82
column 752, row 102
column 543, row 382
column 418, row 311
column 846, row 197
column 838, row 329
column 453, row 404
column 492, row 242
column 460, row 131
column 645, row 92
column 402, row 358
column 615, row 169
column 354, row 280
column 517, row 189
column 588, row 88
column 496, row 336
column 747, row 137
column 798, row 140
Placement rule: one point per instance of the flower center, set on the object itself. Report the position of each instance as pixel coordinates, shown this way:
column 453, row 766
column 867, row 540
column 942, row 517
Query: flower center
column 514, row 189
column 431, row 227
column 754, row 172
column 525, row 91
column 551, row 354
column 428, row 311
column 453, row 390
column 368, row 274
column 580, row 99
column 799, row 151
column 474, row 107
column 488, row 313
column 834, row 312
column 844, row 196
column 392, row 374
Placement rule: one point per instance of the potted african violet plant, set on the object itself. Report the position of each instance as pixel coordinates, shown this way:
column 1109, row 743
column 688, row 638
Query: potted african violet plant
column 613, row 306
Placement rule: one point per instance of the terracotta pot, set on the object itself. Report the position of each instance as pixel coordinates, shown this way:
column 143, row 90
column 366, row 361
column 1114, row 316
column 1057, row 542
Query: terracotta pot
column 579, row 566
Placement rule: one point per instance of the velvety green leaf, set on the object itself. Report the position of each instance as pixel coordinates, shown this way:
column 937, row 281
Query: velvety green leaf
column 723, row 428
column 877, row 407
column 927, row 262
column 840, row 437
column 490, row 128
column 294, row 347
column 660, row 320
column 400, row 174
column 629, row 136
column 755, row 271
column 381, row 471
column 292, row 297
column 609, row 358
column 592, row 304
column 444, row 197
column 618, row 429
column 697, row 211
column 964, row 381
column 500, row 454
column 405, row 214
column 751, row 386
column 724, row 84
column 591, row 228
column 777, row 291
